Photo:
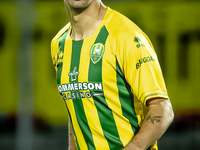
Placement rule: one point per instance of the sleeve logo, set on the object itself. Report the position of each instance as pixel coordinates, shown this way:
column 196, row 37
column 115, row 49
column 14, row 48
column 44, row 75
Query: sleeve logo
column 139, row 42
column 144, row 60
column 60, row 55
column 96, row 52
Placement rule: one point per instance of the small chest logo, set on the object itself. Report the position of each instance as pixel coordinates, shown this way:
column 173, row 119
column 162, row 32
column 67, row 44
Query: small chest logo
column 96, row 52
column 139, row 42
column 73, row 75
column 60, row 55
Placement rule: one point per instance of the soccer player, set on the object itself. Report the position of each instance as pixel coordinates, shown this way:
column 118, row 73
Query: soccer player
column 110, row 79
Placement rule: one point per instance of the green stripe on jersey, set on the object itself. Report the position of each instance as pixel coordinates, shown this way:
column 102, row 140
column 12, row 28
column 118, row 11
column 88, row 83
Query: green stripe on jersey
column 126, row 99
column 60, row 55
column 105, row 113
column 78, row 105
column 77, row 144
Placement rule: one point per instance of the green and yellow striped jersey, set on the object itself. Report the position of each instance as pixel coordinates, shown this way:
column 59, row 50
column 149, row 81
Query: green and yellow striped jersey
column 105, row 80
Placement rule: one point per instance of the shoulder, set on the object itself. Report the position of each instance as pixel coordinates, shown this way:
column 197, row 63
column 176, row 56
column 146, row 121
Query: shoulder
column 58, row 35
column 119, row 26
column 123, row 31
column 55, row 42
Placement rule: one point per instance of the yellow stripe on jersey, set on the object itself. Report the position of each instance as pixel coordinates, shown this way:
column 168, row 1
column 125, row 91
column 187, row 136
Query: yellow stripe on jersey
column 66, row 60
column 139, row 110
column 89, row 106
column 65, row 71
column 81, row 141
column 105, row 113
column 54, row 51
column 54, row 44
column 123, row 125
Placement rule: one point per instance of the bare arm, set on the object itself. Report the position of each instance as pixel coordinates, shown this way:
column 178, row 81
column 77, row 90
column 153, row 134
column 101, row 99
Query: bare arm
column 72, row 145
column 160, row 115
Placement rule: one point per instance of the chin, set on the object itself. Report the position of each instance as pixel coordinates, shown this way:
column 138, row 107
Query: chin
column 79, row 3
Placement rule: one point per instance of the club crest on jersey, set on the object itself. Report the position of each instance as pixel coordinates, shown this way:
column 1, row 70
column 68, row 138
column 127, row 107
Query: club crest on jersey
column 96, row 52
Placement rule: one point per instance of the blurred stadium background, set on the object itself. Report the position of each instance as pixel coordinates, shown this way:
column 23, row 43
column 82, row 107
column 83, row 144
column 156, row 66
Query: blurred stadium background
column 27, row 80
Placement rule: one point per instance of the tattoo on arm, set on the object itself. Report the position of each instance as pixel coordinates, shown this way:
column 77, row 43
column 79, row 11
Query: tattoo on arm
column 154, row 119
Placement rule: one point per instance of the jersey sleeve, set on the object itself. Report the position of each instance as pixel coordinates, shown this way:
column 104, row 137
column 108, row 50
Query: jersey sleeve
column 141, row 67
column 54, row 50
column 55, row 45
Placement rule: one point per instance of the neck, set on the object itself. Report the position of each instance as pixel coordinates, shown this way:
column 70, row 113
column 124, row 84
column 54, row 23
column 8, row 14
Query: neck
column 84, row 21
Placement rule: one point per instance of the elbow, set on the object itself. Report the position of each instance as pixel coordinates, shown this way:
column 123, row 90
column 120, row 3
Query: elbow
column 170, row 114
